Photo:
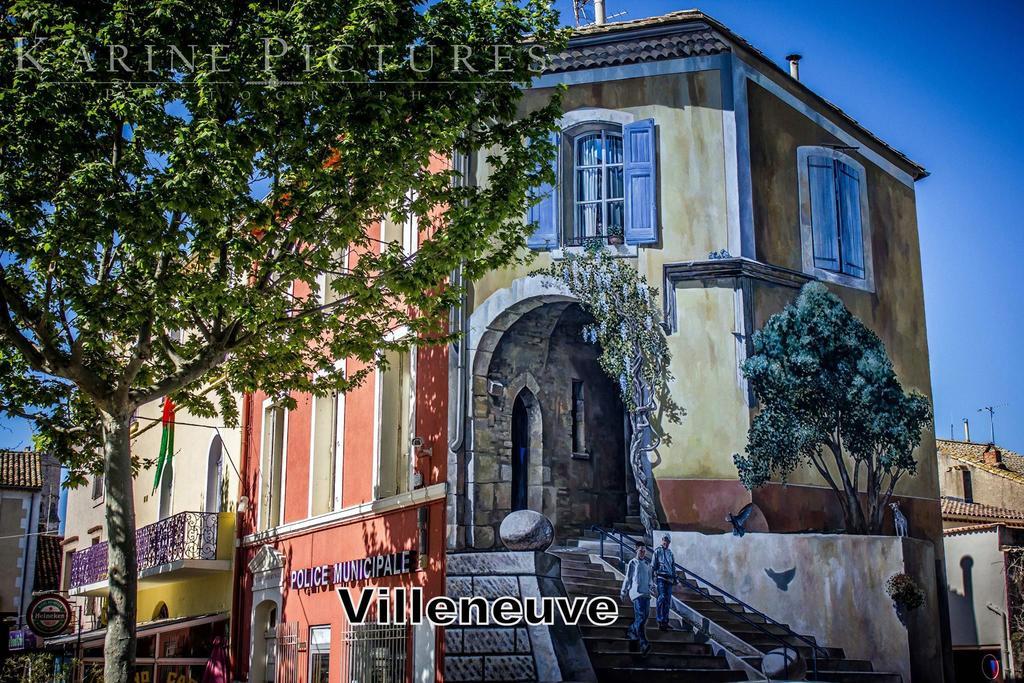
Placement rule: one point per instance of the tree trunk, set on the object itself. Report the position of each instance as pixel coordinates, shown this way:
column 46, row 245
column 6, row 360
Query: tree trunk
column 855, row 521
column 119, row 507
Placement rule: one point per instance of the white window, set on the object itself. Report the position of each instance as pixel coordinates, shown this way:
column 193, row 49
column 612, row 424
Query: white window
column 394, row 414
column 598, row 197
column 319, row 654
column 835, row 234
column 327, row 454
column 275, row 424
column 411, row 228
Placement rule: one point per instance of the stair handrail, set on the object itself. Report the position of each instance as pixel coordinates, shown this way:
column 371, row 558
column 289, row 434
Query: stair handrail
column 626, row 542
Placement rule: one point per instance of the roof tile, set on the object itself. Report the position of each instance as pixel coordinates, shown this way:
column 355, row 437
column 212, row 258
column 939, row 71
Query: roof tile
column 20, row 470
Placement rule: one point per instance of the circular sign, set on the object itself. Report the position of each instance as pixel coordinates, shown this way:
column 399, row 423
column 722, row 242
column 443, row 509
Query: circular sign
column 990, row 667
column 49, row 614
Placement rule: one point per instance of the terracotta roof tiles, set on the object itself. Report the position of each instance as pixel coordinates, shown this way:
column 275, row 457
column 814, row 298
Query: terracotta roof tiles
column 20, row 470
column 954, row 508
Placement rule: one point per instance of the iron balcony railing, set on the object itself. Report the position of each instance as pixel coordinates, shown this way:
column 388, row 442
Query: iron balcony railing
column 184, row 536
column 727, row 601
column 591, row 240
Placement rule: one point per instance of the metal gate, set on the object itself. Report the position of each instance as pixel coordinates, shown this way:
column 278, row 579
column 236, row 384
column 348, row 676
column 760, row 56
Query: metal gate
column 374, row 653
column 288, row 652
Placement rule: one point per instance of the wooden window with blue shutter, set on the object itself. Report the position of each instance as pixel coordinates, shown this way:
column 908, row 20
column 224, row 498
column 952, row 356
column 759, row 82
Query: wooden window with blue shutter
column 641, row 189
column 836, row 223
column 544, row 215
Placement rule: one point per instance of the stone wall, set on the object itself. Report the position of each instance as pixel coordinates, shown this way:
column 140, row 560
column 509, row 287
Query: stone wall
column 837, row 593
column 517, row 653
column 539, row 356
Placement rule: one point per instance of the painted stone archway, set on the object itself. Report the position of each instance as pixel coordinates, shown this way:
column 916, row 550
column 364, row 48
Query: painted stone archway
column 575, row 462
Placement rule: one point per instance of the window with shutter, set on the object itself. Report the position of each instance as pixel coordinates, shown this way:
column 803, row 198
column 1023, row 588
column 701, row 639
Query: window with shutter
column 641, row 224
column 832, row 201
column 544, row 214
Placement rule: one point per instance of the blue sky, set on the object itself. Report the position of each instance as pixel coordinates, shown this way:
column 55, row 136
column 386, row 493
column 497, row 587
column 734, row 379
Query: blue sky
column 941, row 82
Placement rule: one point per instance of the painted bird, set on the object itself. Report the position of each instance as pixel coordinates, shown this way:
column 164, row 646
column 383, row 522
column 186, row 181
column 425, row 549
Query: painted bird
column 739, row 520
column 781, row 579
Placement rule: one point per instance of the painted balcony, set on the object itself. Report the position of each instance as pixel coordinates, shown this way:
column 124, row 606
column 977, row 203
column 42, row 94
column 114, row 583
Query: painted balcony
column 181, row 546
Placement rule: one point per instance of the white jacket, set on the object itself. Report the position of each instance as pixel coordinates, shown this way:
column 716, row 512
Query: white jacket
column 638, row 578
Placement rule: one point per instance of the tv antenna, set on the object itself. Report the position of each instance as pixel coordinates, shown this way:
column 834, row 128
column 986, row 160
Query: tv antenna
column 582, row 14
column 991, row 410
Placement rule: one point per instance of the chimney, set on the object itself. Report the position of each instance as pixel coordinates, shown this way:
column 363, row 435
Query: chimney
column 794, row 65
column 599, row 16
column 993, row 457
column 967, row 430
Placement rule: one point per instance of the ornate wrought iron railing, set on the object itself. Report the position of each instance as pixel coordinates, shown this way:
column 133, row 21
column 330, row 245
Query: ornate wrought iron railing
column 184, row 536
column 586, row 240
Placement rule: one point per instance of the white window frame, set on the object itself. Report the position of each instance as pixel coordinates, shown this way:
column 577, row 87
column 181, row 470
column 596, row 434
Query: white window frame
column 315, row 649
column 411, row 228
column 604, row 130
column 338, row 448
column 268, row 404
column 867, row 283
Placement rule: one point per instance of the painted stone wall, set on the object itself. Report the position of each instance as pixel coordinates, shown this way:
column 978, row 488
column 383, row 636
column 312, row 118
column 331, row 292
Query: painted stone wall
column 837, row 593
column 539, row 357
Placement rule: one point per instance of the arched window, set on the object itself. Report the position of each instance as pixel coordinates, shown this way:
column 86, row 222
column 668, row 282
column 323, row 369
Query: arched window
column 596, row 204
column 214, row 471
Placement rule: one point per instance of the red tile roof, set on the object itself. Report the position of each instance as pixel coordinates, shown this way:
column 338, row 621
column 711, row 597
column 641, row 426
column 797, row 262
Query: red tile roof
column 958, row 509
column 971, row 453
column 20, row 470
column 48, row 563
column 974, row 528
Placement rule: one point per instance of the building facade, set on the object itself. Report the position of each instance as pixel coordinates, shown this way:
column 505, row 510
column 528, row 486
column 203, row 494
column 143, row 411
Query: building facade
column 729, row 184
column 983, row 516
column 185, row 533
column 29, row 494
column 343, row 492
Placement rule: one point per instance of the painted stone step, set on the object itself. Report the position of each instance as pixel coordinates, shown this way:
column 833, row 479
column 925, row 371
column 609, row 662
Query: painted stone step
column 826, row 664
column 857, row 677
column 764, row 645
column 623, row 644
column 636, row 674
column 618, row 632
column 610, row 660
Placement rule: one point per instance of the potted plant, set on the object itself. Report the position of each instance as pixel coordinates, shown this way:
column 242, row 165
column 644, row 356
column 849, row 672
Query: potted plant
column 906, row 595
column 615, row 234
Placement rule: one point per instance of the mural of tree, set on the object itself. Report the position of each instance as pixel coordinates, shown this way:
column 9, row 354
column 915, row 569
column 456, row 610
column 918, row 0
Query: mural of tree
column 829, row 397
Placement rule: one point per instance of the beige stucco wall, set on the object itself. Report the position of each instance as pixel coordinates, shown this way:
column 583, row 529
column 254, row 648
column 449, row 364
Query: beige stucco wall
column 974, row 561
column 895, row 310
column 988, row 488
column 837, row 593
column 192, row 447
column 15, row 512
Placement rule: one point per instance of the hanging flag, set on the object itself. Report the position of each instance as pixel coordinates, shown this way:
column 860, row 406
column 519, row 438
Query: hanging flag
column 166, row 440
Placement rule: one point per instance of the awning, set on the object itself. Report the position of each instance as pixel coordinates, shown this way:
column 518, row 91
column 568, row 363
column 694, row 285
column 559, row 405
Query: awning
column 146, row 628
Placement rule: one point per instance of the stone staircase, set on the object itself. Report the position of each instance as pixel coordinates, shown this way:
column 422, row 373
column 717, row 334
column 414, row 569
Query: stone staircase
column 686, row 654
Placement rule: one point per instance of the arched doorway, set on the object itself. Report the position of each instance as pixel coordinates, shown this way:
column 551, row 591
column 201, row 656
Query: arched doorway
column 520, row 453
column 548, row 426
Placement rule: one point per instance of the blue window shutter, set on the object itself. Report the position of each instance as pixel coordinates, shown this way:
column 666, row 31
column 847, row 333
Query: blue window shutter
column 821, row 183
column 851, row 235
column 544, row 214
column 640, row 171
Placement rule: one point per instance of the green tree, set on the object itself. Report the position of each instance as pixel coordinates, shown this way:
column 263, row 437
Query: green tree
column 829, row 397
column 169, row 166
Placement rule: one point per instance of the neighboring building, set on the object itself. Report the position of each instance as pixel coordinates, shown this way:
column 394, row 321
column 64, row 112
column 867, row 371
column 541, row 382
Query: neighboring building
column 29, row 493
column 981, row 473
column 982, row 605
column 185, row 537
column 983, row 513
column 334, row 481
column 731, row 185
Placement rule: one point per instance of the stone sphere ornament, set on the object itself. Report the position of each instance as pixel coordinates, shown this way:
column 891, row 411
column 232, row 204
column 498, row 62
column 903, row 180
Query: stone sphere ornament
column 783, row 664
column 526, row 530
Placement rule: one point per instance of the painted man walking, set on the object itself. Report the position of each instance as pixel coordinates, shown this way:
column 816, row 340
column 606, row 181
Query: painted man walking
column 637, row 585
column 664, row 570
